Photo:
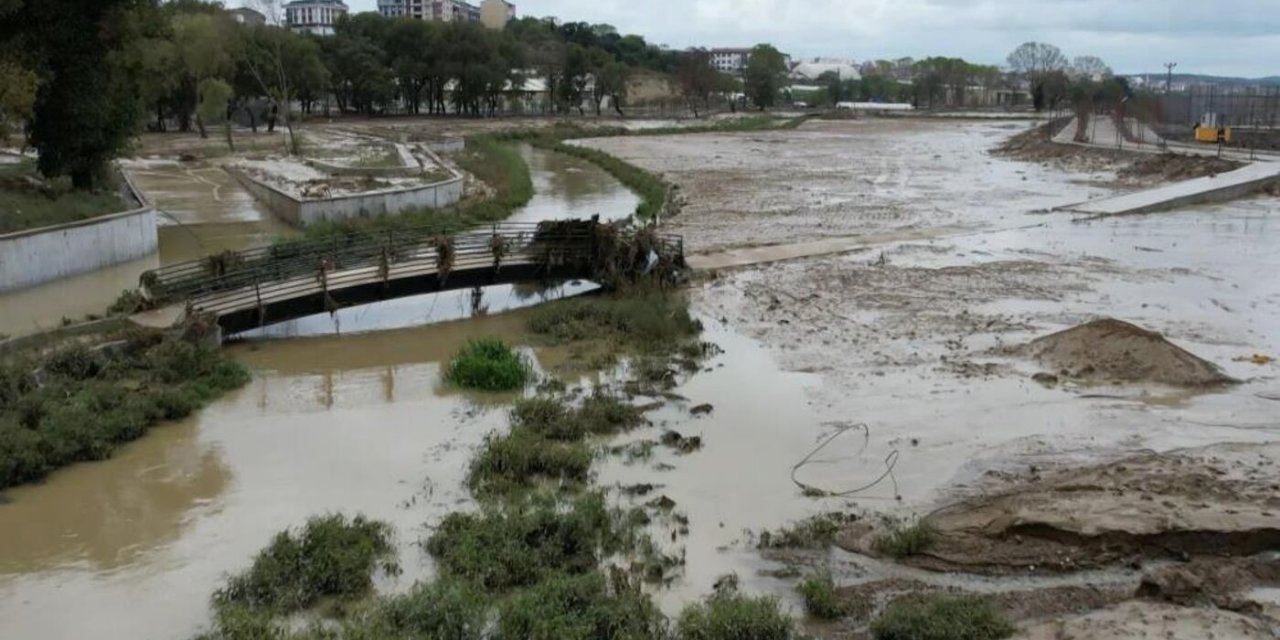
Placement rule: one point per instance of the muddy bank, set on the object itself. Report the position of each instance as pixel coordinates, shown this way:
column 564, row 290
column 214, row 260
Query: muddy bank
column 1152, row 620
column 1220, row 501
column 840, row 178
column 1110, row 350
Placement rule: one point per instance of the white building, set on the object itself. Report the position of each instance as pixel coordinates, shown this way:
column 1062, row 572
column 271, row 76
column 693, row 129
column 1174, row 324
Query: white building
column 813, row 68
column 731, row 60
column 244, row 15
column 437, row 10
column 314, row 16
column 495, row 14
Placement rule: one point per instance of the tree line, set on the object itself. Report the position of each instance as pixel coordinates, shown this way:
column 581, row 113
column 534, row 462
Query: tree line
column 84, row 76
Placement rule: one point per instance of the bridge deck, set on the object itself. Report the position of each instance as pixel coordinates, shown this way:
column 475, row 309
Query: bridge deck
column 258, row 287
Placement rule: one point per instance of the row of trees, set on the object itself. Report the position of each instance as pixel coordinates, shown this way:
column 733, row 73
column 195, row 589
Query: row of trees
column 84, row 75
column 1053, row 78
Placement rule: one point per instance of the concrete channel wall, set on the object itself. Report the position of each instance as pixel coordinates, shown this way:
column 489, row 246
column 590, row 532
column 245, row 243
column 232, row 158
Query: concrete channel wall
column 302, row 213
column 36, row 256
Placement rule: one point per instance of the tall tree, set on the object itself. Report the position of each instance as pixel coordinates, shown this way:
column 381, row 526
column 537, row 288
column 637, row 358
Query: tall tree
column 1091, row 67
column 85, row 109
column 697, row 78
column 1036, row 58
column 765, row 75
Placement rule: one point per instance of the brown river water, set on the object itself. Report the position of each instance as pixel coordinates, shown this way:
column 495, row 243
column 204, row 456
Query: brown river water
column 349, row 414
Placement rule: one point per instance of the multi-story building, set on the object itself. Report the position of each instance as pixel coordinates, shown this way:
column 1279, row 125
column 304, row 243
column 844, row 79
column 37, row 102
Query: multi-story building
column 495, row 14
column 314, row 16
column 730, row 60
column 437, row 10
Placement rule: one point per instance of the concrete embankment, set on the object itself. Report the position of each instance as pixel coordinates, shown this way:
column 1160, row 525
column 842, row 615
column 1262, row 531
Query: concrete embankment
column 35, row 256
column 1217, row 188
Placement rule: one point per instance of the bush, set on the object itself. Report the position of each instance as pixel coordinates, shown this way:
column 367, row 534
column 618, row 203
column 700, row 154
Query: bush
column 443, row 609
column 735, row 617
column 488, row 365
column 601, row 413
column 941, row 617
column 517, row 546
column 656, row 322
column 579, row 608
column 90, row 401
column 820, row 599
column 903, row 540
column 331, row 556
column 519, row 459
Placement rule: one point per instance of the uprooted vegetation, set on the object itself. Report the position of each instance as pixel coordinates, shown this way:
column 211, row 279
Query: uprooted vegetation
column 329, row 557
column 80, row 402
column 820, row 598
column 903, row 539
column 815, row 532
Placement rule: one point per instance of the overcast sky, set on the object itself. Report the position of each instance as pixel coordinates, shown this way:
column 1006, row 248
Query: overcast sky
column 1220, row 37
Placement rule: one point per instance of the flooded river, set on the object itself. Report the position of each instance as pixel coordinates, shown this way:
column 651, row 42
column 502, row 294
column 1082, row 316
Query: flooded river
column 357, row 422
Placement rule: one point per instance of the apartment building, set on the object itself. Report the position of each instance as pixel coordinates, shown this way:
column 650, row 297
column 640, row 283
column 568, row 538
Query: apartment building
column 447, row 11
column 314, row 16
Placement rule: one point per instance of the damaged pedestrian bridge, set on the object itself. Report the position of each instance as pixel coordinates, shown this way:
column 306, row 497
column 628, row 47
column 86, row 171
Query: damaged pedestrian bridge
column 248, row 289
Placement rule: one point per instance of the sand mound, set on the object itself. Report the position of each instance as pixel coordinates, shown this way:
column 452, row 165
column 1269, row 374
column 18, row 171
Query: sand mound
column 1215, row 501
column 1174, row 166
column 1112, row 350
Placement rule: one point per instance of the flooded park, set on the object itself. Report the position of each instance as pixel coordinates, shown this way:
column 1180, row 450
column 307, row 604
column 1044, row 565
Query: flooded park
column 877, row 292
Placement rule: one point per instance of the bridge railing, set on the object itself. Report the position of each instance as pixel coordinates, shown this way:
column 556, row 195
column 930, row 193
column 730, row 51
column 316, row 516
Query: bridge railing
column 293, row 267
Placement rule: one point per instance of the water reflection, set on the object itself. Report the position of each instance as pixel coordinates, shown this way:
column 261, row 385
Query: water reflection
column 569, row 187
column 106, row 515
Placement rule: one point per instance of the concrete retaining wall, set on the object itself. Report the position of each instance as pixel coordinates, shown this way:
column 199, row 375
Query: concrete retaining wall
column 364, row 205
column 35, row 256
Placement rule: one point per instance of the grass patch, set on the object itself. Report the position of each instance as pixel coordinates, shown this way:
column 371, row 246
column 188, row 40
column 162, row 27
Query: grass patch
column 488, row 364
column 329, row 557
column 579, row 608
column 819, row 594
column 519, row 545
column 903, row 540
column 442, row 609
column 518, row 460
column 29, row 201
column 653, row 322
column 735, row 617
column 84, row 402
column 941, row 617
column 554, row 418
column 816, row 532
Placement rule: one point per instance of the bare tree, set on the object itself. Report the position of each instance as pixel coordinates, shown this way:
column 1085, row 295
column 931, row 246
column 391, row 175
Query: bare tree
column 1037, row 58
column 1091, row 67
column 266, row 62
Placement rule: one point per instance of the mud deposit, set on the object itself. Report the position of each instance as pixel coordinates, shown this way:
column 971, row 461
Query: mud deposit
column 1219, row 500
column 1112, row 350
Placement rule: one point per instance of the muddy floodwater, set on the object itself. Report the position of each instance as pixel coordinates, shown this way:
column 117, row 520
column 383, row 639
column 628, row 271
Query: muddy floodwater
column 902, row 268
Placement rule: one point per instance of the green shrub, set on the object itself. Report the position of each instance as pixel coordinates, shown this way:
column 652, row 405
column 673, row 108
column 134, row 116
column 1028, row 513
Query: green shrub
column 579, row 608
column 90, row 401
column 904, row 540
column 554, row 418
column 820, row 599
column 518, row 545
column 243, row 623
column 442, row 609
column 488, row 365
column 655, row 322
column 735, row 617
column 941, row 617
column 519, row 459
column 331, row 556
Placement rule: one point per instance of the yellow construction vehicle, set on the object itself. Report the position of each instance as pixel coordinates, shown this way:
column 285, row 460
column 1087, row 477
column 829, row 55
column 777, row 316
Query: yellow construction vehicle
column 1211, row 129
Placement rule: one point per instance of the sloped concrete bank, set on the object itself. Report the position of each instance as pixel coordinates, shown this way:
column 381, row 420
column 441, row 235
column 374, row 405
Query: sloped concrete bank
column 36, row 256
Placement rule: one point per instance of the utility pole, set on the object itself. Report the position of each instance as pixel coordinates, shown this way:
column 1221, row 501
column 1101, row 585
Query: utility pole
column 1168, row 83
